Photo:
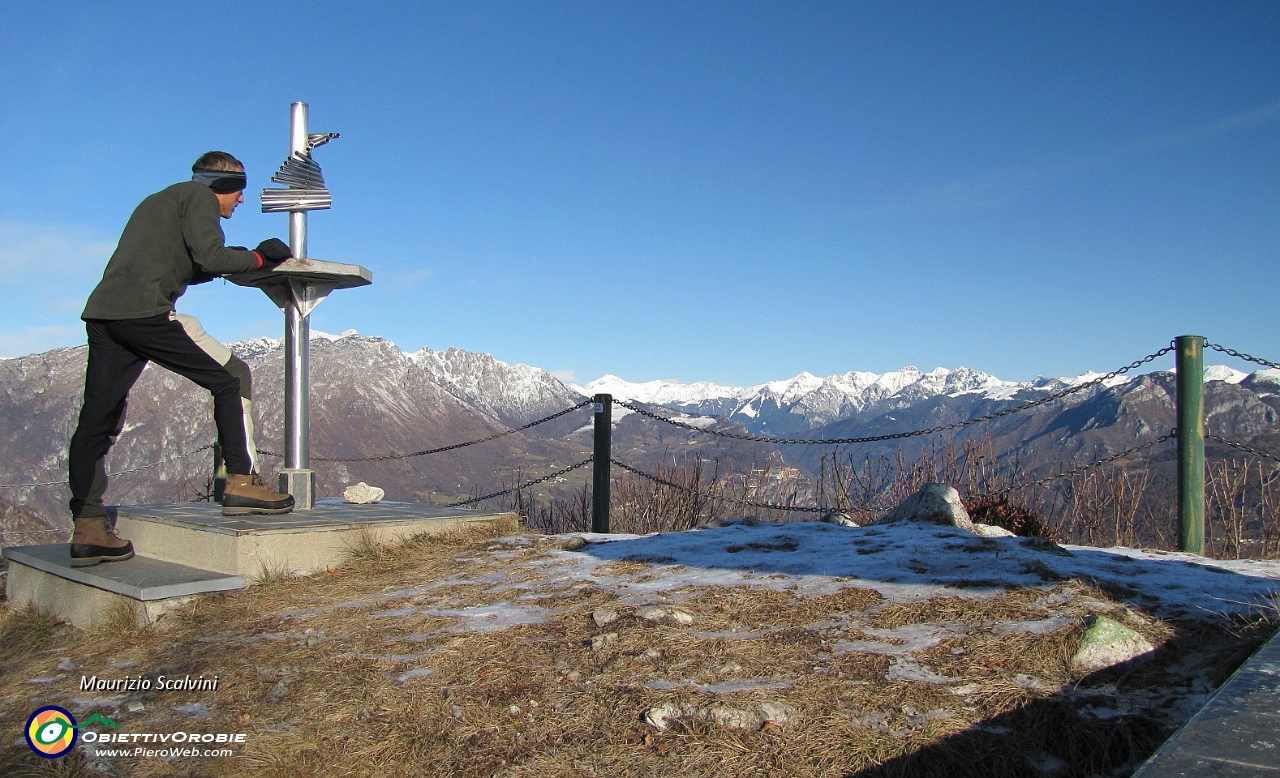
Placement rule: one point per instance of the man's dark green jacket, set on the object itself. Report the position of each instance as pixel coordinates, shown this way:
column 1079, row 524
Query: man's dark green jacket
column 173, row 239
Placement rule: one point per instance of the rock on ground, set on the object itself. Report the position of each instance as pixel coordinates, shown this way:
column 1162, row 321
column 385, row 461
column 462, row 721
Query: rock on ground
column 604, row 615
column 665, row 614
column 362, row 493
column 992, row 531
column 770, row 712
column 934, row 503
column 1106, row 643
column 839, row 519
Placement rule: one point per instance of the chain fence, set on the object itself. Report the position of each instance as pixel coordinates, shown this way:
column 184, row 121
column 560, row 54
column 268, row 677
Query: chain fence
column 1242, row 447
column 1241, row 355
column 524, row 485
column 441, row 449
column 138, row 469
column 709, row 498
column 381, row 458
column 1173, row 433
column 826, row 510
column 24, row 533
column 900, row 435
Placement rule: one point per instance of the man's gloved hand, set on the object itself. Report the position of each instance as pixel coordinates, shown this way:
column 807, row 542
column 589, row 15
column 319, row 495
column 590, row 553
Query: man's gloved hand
column 273, row 251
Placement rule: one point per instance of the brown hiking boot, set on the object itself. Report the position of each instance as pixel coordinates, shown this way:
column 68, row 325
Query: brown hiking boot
column 94, row 541
column 245, row 494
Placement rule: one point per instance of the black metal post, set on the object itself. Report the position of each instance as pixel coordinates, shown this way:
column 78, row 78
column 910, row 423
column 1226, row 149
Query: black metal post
column 219, row 473
column 600, row 464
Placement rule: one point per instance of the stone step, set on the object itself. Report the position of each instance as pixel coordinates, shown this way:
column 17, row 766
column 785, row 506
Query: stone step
column 301, row 542
column 84, row 596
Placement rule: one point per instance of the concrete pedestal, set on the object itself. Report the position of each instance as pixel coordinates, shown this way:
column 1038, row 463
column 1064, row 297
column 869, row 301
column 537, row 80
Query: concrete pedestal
column 301, row 542
column 301, row 484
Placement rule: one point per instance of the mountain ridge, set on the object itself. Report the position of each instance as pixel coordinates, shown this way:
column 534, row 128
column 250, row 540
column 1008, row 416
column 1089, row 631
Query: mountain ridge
column 807, row 402
column 369, row 398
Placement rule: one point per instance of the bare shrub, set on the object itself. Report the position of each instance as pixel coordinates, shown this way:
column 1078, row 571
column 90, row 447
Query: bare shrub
column 557, row 514
column 1018, row 519
column 1129, row 504
column 1226, row 487
column 1242, row 508
column 1269, row 509
column 1103, row 505
column 641, row 505
column 868, row 489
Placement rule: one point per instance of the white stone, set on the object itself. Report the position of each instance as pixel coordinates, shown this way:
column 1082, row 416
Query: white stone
column 839, row 519
column 278, row 692
column 1044, row 764
column 604, row 615
column 659, row 717
column 650, row 655
column 778, row 713
column 665, row 614
column 730, row 718
column 934, row 503
column 600, row 642
column 1106, row 643
column 362, row 494
column 992, row 531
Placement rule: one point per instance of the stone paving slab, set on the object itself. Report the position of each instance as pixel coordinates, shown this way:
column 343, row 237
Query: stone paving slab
column 1237, row 732
column 139, row 578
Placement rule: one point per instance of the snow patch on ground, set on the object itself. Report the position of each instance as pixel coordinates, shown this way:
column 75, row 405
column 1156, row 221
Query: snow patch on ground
column 910, row 562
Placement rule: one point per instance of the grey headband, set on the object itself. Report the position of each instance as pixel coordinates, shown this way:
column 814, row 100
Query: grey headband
column 221, row 181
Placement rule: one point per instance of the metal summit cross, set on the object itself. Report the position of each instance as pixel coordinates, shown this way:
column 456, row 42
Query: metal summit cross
column 297, row 286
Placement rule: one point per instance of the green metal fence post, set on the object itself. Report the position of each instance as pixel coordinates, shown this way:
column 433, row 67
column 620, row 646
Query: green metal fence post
column 1190, row 377
column 600, row 463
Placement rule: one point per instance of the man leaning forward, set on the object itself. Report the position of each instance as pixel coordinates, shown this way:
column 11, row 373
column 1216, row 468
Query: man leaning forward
column 172, row 240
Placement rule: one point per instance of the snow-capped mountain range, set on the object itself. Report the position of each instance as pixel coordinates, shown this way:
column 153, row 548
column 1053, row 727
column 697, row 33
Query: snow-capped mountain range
column 808, row 402
column 515, row 394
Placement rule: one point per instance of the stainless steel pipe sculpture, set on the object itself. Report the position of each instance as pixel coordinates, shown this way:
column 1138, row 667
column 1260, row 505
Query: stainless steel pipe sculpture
column 297, row 287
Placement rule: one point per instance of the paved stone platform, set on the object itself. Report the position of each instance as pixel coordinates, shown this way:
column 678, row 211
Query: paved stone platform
column 43, row 576
column 198, row 535
column 1236, row 734
column 188, row 549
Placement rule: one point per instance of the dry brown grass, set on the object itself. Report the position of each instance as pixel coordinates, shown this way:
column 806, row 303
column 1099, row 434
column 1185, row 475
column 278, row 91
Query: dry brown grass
column 320, row 673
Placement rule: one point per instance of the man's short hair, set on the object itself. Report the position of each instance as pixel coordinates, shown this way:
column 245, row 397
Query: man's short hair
column 217, row 160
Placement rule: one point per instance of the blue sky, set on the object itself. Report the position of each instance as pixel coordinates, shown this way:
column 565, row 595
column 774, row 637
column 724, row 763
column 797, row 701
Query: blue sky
column 733, row 192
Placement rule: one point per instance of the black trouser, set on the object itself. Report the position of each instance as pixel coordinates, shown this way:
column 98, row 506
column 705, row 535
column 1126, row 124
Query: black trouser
column 118, row 351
